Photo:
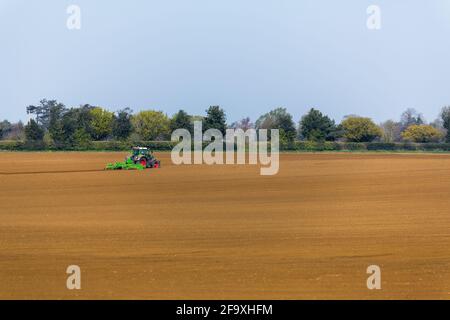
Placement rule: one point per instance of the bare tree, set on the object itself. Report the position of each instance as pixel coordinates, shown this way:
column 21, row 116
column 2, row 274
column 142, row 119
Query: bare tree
column 391, row 131
column 243, row 124
column 410, row 117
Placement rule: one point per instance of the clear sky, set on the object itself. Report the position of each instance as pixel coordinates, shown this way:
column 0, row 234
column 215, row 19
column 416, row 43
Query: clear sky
column 248, row 56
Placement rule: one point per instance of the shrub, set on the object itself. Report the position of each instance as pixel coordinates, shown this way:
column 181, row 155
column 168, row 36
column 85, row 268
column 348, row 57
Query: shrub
column 353, row 146
column 389, row 146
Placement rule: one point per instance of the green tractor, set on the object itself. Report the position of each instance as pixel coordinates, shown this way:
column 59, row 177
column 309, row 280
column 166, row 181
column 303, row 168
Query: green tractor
column 141, row 158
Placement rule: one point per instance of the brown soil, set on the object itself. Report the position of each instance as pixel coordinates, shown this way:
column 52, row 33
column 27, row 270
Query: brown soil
column 225, row 232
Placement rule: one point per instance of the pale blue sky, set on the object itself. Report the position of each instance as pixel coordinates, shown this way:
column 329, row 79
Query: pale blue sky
column 247, row 56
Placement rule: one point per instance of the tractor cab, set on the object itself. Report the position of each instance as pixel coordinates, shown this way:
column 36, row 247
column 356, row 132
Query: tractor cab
column 139, row 151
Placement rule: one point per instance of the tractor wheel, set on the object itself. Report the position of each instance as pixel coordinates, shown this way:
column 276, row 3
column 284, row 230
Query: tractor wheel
column 143, row 162
column 156, row 165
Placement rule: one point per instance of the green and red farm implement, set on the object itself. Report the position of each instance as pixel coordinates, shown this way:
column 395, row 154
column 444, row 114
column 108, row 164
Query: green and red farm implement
column 141, row 158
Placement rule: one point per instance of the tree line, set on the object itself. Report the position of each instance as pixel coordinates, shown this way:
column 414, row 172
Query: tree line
column 52, row 124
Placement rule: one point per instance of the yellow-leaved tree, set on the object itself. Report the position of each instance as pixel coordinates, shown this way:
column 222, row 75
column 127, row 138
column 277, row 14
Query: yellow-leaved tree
column 359, row 129
column 422, row 134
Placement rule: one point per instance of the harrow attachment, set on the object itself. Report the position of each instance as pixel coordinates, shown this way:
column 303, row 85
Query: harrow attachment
column 128, row 165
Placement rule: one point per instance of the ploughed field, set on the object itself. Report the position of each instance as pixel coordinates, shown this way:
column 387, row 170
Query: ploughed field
column 225, row 232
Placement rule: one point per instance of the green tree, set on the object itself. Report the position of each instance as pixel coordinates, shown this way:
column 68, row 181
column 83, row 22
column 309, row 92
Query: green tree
column 5, row 128
column 81, row 139
column 278, row 119
column 33, row 131
column 48, row 141
column 101, row 123
column 445, row 115
column 68, row 126
column 63, row 124
column 151, row 125
column 83, row 114
column 54, row 126
column 359, row 129
column 315, row 126
column 422, row 133
column 215, row 119
column 181, row 120
column 45, row 110
column 122, row 126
